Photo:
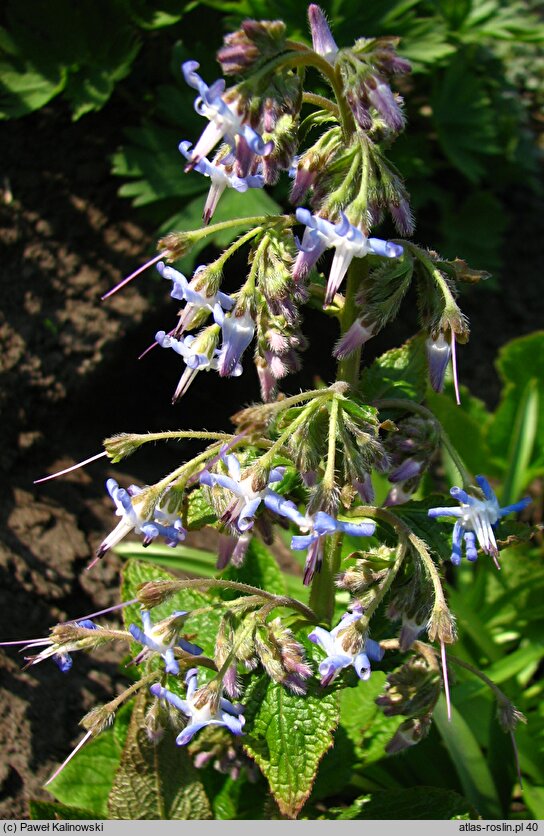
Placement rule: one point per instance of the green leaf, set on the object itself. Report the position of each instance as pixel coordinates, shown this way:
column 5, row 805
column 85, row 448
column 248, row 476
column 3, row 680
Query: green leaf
column 464, row 425
column 199, row 510
column 435, row 533
column 23, row 88
column 155, row 781
column 521, row 443
column 534, row 798
column 287, row 735
column 469, row 762
column 85, row 782
column 259, row 569
column 520, row 362
column 184, row 558
column 410, row 804
column 51, row 811
column 399, row 373
column 365, row 724
column 203, row 627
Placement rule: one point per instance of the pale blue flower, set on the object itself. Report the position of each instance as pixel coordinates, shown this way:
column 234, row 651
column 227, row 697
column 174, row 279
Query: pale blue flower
column 318, row 526
column 185, row 291
column 338, row 657
column 60, row 655
column 241, row 511
column 130, row 504
column 237, row 330
column 221, row 178
column 476, row 520
column 195, row 360
column 348, row 241
column 226, row 123
column 225, row 714
column 162, row 638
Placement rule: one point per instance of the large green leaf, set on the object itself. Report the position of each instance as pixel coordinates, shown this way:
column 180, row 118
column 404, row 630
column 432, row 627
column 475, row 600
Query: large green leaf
column 399, row 373
column 155, row 781
column 202, row 628
column 365, row 724
column 86, row 780
column 53, row 811
column 287, row 735
column 435, row 533
column 470, row 763
column 521, row 367
column 410, row 804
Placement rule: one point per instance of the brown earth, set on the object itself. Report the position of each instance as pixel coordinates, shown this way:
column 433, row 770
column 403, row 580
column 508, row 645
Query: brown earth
column 70, row 377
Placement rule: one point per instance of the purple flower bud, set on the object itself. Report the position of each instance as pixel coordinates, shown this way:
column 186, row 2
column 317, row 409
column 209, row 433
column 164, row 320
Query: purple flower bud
column 438, row 357
column 322, row 39
column 383, row 99
column 409, row 469
column 356, row 336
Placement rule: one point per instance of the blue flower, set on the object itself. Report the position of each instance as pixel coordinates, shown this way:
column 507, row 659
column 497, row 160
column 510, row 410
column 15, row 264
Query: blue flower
column 60, row 654
column 220, row 712
column 199, row 353
column 162, row 638
column 345, row 647
column 318, row 526
column 225, row 122
column 348, row 241
column 186, row 291
column 241, row 511
column 237, row 329
column 477, row 519
column 129, row 507
column 221, row 176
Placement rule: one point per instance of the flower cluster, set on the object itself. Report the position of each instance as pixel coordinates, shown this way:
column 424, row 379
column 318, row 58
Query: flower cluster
column 476, row 520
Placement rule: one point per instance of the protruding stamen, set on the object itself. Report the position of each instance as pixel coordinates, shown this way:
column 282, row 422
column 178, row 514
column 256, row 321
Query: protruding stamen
column 69, row 758
column 445, row 678
column 69, row 469
column 101, row 612
column 134, row 274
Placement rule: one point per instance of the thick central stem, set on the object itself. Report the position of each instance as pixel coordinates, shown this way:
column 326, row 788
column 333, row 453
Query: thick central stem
column 348, row 368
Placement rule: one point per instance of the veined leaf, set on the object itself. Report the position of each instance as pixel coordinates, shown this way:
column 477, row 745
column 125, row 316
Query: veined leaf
column 155, row 781
column 259, row 569
column 287, row 735
column 53, row 811
column 409, row 804
column 399, row 373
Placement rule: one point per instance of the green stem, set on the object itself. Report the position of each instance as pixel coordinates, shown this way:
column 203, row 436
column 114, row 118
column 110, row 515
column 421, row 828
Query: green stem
column 243, row 239
column 171, row 587
column 288, row 432
column 255, row 221
column 419, row 409
column 322, row 595
column 322, row 102
column 385, row 585
column 329, row 476
column 348, row 368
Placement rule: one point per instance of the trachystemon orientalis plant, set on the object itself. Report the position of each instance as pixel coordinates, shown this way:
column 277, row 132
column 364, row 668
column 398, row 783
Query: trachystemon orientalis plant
column 242, row 674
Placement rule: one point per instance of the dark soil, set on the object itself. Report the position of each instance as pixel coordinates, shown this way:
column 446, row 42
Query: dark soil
column 70, row 377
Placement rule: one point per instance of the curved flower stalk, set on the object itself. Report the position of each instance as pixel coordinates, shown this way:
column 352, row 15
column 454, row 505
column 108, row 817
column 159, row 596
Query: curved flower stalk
column 202, row 709
column 345, row 647
column 222, row 176
column 318, row 526
column 129, row 504
column 225, row 123
column 197, row 301
column 241, row 511
column 476, row 521
column 162, row 638
column 349, row 242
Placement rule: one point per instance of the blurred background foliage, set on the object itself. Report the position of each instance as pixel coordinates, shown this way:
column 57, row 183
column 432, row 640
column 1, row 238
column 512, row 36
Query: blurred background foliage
column 473, row 100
